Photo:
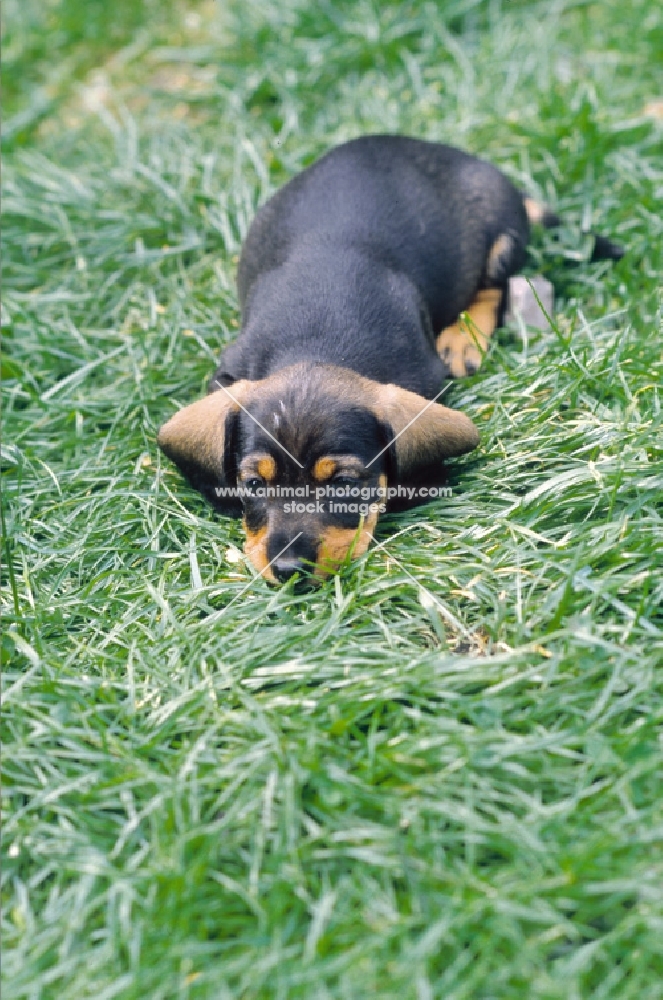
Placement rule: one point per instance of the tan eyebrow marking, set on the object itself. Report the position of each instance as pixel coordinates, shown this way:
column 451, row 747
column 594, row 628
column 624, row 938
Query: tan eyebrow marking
column 260, row 465
column 331, row 465
column 324, row 468
column 267, row 468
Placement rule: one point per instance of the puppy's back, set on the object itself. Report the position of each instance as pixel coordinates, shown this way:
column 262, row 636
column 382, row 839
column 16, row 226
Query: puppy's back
column 427, row 210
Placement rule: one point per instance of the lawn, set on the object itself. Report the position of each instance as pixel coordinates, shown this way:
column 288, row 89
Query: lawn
column 438, row 777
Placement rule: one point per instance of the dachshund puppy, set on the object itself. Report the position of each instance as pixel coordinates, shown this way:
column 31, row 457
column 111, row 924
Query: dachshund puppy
column 352, row 281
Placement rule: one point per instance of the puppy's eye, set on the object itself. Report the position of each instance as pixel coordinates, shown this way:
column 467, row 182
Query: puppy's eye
column 345, row 479
column 253, row 484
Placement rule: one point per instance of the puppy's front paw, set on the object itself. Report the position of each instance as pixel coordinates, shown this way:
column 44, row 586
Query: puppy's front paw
column 463, row 345
column 461, row 351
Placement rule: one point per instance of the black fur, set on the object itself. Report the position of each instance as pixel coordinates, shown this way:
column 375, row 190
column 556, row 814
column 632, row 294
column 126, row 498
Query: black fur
column 364, row 257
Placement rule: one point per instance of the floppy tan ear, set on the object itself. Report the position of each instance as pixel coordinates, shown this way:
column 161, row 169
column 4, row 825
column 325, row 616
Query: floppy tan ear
column 423, row 433
column 199, row 440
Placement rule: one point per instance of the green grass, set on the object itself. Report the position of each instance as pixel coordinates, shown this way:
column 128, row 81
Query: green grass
column 333, row 795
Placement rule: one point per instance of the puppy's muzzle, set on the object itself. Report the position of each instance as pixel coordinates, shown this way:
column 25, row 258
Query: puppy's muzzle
column 297, row 558
column 284, row 569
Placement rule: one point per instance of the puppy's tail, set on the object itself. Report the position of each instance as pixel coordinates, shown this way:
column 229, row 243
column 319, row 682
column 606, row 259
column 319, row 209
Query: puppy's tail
column 540, row 215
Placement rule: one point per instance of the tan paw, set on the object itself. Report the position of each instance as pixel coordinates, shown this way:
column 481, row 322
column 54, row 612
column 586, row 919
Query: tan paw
column 463, row 345
column 461, row 350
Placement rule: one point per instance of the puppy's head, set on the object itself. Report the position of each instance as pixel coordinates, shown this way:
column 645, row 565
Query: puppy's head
column 309, row 453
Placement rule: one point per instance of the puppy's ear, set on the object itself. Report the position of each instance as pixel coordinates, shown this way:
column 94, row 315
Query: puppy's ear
column 201, row 440
column 423, row 433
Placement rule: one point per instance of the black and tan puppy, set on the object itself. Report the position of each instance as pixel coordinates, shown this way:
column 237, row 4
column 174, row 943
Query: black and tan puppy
column 352, row 280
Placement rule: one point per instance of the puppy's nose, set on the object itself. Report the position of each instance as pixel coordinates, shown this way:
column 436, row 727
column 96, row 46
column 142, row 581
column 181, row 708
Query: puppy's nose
column 286, row 567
